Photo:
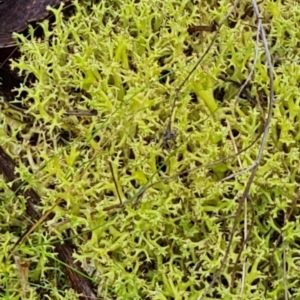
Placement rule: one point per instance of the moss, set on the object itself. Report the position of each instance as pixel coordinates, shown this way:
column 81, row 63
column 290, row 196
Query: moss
column 112, row 59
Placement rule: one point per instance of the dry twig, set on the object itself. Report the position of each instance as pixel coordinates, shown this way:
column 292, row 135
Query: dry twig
column 254, row 168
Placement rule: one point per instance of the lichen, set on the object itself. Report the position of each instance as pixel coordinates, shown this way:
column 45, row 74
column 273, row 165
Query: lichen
column 126, row 59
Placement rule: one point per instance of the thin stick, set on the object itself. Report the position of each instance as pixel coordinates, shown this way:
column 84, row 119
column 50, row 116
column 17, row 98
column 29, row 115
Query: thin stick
column 168, row 133
column 142, row 191
column 240, row 91
column 261, row 148
column 245, row 213
column 82, row 113
column 246, row 233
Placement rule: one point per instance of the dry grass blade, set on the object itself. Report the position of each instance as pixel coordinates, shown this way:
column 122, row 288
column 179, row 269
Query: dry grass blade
column 22, row 268
column 245, row 213
column 25, row 235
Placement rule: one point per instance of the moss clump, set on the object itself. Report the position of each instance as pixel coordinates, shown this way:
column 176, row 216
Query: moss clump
column 125, row 60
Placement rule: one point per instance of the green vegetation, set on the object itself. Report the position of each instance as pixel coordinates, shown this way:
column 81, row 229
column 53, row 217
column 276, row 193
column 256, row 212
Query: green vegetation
column 126, row 59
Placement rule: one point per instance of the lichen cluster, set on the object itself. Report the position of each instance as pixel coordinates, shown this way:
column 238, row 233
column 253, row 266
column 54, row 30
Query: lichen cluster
column 125, row 60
